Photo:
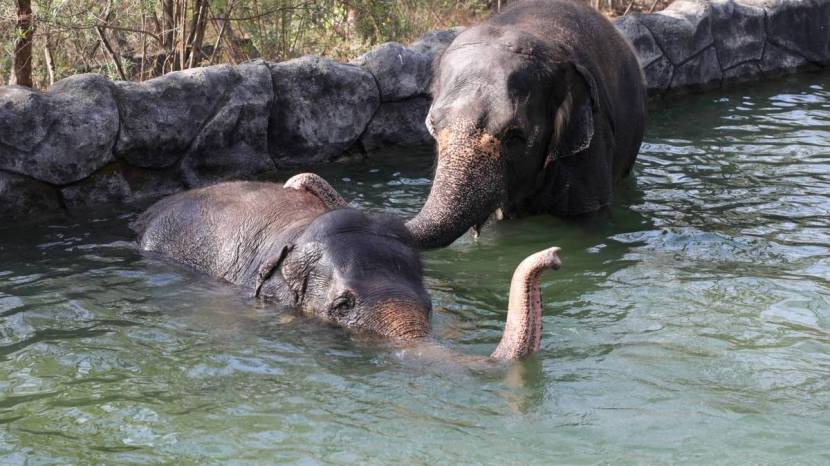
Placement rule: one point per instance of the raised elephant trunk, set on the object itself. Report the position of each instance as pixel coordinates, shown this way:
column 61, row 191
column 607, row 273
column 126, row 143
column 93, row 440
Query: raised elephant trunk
column 523, row 329
column 467, row 188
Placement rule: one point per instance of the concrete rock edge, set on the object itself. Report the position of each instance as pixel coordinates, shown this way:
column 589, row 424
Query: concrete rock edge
column 81, row 144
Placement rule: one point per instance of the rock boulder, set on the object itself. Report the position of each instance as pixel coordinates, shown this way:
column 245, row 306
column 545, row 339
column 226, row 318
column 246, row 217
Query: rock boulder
column 60, row 136
column 24, row 197
column 320, row 109
column 400, row 72
column 233, row 143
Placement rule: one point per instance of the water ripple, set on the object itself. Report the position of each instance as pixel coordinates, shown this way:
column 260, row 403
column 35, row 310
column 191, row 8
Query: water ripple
column 691, row 323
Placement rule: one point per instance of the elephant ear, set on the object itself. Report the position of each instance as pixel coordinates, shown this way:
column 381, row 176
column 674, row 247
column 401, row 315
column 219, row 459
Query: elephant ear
column 299, row 267
column 269, row 267
column 573, row 122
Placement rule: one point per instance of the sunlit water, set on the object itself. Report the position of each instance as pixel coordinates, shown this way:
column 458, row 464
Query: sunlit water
column 690, row 324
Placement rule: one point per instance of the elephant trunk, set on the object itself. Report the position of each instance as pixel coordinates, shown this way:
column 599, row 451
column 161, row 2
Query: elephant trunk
column 523, row 329
column 399, row 319
column 468, row 186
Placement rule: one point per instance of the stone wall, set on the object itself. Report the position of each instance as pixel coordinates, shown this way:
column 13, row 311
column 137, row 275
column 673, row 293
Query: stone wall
column 90, row 141
column 695, row 45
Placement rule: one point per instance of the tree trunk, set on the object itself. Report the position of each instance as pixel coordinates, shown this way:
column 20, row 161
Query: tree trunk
column 352, row 21
column 143, row 45
column 168, row 26
column 198, row 33
column 22, row 59
column 181, row 17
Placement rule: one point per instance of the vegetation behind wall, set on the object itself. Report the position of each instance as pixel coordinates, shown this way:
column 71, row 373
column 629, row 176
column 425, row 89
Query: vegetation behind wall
column 140, row 39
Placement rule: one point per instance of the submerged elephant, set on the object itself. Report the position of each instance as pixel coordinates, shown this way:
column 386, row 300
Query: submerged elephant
column 540, row 109
column 300, row 244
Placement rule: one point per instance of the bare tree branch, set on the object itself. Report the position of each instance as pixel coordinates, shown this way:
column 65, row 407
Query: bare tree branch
column 47, row 56
column 106, row 44
column 221, row 32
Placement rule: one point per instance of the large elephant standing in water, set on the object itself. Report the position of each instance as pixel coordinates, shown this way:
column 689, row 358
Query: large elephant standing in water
column 540, row 109
column 300, row 245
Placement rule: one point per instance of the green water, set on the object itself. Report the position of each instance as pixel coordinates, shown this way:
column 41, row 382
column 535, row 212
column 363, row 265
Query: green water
column 689, row 325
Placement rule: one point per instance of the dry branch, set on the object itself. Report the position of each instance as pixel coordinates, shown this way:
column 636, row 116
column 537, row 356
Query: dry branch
column 106, row 43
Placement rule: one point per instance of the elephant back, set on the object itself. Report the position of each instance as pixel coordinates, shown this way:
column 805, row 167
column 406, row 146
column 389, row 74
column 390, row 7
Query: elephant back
column 222, row 229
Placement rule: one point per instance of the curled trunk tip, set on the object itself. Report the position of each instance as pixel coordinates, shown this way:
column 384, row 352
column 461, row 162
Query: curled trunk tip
column 542, row 260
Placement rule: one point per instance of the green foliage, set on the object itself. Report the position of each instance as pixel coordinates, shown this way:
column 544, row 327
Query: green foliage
column 271, row 29
column 341, row 29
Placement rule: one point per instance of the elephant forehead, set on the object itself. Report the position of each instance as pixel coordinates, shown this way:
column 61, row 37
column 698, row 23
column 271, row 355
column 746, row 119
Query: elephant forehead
column 352, row 240
column 350, row 225
column 510, row 40
column 385, row 259
column 477, row 64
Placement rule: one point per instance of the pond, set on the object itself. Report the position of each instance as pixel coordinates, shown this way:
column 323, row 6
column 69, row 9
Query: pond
column 689, row 324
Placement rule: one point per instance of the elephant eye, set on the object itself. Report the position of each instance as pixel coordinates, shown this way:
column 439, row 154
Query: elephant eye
column 342, row 305
column 514, row 136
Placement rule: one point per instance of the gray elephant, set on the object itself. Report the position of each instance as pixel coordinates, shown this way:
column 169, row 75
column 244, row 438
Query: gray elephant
column 540, row 109
column 299, row 244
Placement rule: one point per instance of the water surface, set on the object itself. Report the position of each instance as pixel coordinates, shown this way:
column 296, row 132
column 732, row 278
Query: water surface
column 691, row 324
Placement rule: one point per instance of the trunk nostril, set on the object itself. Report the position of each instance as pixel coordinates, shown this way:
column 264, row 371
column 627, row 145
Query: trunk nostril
column 400, row 320
column 411, row 335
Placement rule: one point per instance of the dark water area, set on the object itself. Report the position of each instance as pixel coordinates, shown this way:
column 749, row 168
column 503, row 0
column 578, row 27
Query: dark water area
column 690, row 324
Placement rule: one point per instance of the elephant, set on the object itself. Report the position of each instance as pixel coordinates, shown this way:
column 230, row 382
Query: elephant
column 540, row 109
column 300, row 244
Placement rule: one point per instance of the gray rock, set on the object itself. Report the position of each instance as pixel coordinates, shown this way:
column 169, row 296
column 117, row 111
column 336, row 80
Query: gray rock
column 701, row 72
column 738, row 31
column 233, row 143
column 750, row 71
column 777, row 61
column 659, row 75
column 683, row 29
column 104, row 187
column 60, row 136
column 433, row 43
column 400, row 72
column 148, row 183
column 398, row 124
column 24, row 119
column 801, row 26
column 162, row 117
column 640, row 38
column 320, row 109
column 24, row 197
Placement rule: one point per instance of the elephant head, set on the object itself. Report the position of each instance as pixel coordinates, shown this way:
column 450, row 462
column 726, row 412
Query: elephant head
column 505, row 106
column 356, row 270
